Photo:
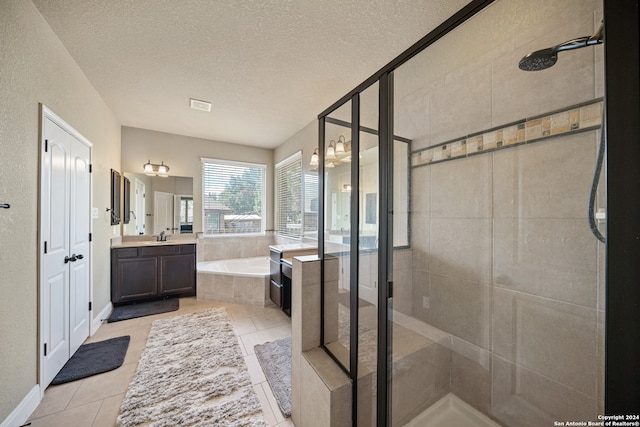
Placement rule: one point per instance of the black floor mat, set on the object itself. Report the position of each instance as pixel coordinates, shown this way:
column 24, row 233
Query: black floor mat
column 94, row 358
column 132, row 311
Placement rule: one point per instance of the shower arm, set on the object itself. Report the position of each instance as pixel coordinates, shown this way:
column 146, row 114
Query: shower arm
column 579, row 42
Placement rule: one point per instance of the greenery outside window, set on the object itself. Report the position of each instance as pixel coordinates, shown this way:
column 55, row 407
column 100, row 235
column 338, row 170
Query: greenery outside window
column 289, row 212
column 233, row 197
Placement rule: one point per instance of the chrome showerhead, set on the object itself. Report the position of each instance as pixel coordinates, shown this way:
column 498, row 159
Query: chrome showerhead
column 545, row 58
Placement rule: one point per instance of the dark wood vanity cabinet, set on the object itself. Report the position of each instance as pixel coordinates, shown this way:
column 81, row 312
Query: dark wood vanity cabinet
column 282, row 272
column 152, row 272
column 275, row 285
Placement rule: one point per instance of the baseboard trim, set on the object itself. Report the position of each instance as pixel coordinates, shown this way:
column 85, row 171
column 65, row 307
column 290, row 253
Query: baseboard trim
column 21, row 413
column 104, row 314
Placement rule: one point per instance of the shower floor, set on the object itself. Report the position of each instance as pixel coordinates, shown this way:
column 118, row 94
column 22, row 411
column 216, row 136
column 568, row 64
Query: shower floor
column 450, row 411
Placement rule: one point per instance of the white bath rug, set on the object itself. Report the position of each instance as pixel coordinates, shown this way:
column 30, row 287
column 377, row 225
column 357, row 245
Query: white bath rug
column 191, row 373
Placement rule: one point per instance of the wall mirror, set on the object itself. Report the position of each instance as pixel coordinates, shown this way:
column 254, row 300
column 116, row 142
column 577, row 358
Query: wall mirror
column 154, row 204
column 115, row 197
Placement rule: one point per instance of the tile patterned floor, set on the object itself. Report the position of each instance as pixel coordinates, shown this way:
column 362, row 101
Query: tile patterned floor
column 95, row 401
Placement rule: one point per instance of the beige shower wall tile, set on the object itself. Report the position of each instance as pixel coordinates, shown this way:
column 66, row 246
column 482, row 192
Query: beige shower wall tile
column 549, row 179
column 461, row 106
column 412, row 114
column 402, row 258
column 552, row 258
column 550, row 338
column 462, row 189
column 471, row 382
column 403, row 290
column 416, row 382
column 421, row 289
column 420, row 241
column 461, row 248
column 522, row 398
column 460, row 308
column 421, row 191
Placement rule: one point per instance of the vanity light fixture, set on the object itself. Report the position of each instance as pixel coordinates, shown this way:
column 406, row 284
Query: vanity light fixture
column 331, row 150
column 340, row 145
column 152, row 169
column 314, row 158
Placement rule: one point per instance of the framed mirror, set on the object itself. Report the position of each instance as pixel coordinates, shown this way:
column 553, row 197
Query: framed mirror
column 156, row 204
column 115, row 197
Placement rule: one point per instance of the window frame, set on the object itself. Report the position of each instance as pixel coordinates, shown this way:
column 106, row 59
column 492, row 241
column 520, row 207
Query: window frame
column 263, row 203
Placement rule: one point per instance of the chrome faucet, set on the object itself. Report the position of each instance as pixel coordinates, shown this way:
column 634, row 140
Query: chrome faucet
column 162, row 237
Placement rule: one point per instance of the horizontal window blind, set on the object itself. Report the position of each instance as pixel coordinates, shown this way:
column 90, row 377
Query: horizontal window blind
column 289, row 213
column 310, row 220
column 233, row 197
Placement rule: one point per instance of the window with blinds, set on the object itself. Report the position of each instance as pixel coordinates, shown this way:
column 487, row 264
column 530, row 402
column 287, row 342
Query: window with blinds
column 233, row 197
column 289, row 212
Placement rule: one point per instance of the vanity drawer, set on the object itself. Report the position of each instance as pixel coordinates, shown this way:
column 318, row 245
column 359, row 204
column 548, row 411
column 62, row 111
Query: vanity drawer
column 187, row 249
column 274, row 270
column 158, row 250
column 127, row 252
column 275, row 255
column 275, row 293
column 287, row 269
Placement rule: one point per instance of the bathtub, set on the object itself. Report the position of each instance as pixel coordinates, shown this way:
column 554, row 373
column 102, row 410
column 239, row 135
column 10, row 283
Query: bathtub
column 249, row 267
column 239, row 281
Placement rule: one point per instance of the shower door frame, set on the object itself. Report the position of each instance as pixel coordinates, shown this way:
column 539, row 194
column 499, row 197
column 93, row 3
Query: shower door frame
column 622, row 276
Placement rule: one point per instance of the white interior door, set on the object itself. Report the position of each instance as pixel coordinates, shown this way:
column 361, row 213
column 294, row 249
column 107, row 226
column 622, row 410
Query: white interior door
column 162, row 212
column 79, row 229
column 140, row 206
column 66, row 251
column 55, row 237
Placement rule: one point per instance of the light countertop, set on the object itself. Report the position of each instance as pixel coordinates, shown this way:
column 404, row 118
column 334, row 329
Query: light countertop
column 135, row 241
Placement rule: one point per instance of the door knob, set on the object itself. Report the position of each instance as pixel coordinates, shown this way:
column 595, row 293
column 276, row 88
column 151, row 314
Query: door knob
column 79, row 256
column 72, row 258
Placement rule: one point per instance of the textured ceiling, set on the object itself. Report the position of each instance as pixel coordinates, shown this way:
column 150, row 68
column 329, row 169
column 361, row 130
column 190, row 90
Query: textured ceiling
column 268, row 66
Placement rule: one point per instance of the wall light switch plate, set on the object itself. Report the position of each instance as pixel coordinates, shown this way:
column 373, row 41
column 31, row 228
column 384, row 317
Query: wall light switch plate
column 95, row 213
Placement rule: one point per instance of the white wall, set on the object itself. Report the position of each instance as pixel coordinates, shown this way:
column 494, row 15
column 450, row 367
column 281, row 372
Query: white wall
column 36, row 68
column 183, row 153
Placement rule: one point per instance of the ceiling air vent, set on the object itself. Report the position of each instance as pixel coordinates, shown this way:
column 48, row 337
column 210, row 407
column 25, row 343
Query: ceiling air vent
column 200, row 105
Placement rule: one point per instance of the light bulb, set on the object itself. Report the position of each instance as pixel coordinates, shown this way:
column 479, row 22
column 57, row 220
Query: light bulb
column 314, row 158
column 331, row 151
column 340, row 145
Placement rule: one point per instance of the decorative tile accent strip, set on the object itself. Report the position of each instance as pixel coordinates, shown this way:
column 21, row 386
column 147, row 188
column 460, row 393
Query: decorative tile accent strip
column 574, row 119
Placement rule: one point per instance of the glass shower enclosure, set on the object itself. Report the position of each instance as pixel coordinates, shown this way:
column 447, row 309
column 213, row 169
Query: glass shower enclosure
column 460, row 274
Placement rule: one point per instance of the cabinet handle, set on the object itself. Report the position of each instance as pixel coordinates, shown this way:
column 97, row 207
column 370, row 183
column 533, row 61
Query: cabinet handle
column 72, row 258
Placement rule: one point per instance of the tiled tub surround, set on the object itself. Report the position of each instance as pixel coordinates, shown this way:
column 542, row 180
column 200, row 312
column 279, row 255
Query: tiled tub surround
column 235, row 285
column 218, row 247
column 239, row 281
column 212, row 284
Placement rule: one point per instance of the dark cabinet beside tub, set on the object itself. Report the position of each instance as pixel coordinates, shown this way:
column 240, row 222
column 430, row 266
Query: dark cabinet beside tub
column 281, row 272
column 144, row 273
